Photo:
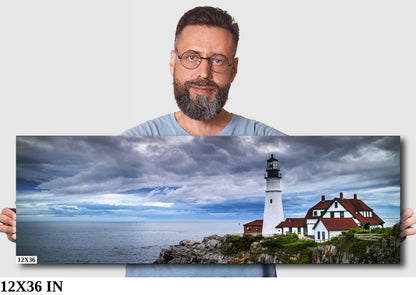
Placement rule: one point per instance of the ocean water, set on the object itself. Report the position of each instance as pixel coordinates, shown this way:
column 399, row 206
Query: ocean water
column 114, row 242
column 110, row 242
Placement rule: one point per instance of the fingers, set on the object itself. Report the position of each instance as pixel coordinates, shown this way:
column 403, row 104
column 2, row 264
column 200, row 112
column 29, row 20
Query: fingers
column 409, row 222
column 8, row 223
column 407, row 232
column 10, row 231
column 7, row 229
column 11, row 212
column 12, row 237
column 8, row 217
column 406, row 213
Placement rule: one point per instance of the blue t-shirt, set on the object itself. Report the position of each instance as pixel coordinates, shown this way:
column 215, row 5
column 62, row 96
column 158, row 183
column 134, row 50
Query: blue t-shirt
column 166, row 126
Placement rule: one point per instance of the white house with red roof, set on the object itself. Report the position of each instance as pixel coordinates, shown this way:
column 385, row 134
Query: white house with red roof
column 293, row 226
column 342, row 215
column 328, row 218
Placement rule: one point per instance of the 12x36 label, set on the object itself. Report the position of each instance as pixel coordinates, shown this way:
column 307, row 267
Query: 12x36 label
column 26, row 259
column 30, row 286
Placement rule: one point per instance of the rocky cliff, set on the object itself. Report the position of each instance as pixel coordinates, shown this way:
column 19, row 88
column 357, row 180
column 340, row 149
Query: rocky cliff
column 210, row 250
column 387, row 251
column 282, row 249
column 228, row 249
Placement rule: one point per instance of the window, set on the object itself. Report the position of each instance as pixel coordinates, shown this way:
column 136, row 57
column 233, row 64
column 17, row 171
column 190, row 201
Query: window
column 336, row 205
column 323, row 235
column 248, row 229
column 271, row 201
column 319, row 235
column 257, row 229
column 341, row 214
column 315, row 213
column 332, row 214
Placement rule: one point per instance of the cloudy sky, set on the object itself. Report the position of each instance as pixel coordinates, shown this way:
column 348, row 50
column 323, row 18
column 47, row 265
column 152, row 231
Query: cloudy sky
column 194, row 178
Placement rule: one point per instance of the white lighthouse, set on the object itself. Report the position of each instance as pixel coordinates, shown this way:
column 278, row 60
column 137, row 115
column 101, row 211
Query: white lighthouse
column 273, row 207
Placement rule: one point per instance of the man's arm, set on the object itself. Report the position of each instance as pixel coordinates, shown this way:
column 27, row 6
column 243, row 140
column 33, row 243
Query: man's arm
column 8, row 223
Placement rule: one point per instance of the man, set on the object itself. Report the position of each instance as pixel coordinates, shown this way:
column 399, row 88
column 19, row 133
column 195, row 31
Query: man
column 203, row 66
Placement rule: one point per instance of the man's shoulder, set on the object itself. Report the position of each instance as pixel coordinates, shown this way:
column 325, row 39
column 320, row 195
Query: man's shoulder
column 241, row 126
column 152, row 127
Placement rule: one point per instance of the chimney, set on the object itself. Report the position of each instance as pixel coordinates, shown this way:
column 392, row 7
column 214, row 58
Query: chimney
column 341, row 196
column 323, row 198
column 355, row 196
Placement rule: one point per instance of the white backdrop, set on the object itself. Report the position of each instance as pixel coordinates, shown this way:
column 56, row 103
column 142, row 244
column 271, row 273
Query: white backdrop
column 306, row 68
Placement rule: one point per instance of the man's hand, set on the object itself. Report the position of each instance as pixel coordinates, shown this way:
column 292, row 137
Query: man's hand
column 8, row 223
column 407, row 220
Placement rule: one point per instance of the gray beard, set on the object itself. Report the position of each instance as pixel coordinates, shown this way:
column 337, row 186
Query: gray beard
column 200, row 108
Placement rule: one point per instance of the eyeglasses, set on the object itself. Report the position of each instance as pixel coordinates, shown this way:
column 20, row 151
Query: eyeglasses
column 190, row 59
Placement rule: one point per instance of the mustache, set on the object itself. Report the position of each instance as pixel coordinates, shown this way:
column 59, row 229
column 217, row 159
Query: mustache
column 201, row 83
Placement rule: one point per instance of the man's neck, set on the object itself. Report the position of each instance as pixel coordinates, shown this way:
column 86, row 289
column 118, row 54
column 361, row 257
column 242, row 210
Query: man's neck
column 203, row 128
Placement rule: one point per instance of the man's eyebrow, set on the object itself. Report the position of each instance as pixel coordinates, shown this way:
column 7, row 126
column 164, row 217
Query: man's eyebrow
column 196, row 51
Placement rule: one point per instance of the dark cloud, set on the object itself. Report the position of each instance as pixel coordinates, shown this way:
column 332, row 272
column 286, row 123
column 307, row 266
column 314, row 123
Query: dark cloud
column 209, row 172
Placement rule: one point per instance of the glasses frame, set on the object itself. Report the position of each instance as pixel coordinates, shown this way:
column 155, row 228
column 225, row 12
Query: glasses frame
column 179, row 56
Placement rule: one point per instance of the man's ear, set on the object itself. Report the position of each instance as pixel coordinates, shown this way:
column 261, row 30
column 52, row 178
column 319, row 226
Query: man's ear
column 172, row 61
column 234, row 69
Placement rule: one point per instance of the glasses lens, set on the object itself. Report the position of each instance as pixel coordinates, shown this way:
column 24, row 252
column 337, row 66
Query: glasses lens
column 190, row 59
column 219, row 63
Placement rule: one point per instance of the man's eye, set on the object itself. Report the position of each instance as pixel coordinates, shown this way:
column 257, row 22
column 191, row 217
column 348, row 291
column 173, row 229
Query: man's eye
column 192, row 57
column 218, row 61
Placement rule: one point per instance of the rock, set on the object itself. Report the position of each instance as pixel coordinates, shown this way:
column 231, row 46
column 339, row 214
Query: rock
column 387, row 251
column 266, row 259
column 190, row 252
column 227, row 246
column 213, row 249
column 253, row 247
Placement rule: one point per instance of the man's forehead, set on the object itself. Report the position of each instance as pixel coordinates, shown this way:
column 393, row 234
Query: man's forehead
column 205, row 38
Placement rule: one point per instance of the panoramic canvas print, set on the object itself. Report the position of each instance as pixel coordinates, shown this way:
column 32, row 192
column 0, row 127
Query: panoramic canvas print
column 208, row 200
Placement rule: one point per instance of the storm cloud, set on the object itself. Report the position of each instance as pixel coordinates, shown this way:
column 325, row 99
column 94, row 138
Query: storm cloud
column 142, row 178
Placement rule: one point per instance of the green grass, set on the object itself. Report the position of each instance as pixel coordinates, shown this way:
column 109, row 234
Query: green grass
column 289, row 249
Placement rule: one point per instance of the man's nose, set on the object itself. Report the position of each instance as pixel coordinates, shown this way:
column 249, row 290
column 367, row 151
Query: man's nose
column 204, row 70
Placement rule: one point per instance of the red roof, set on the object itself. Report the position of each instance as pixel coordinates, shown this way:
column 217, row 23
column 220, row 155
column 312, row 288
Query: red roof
column 254, row 223
column 321, row 205
column 352, row 205
column 338, row 223
column 293, row 222
column 355, row 205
